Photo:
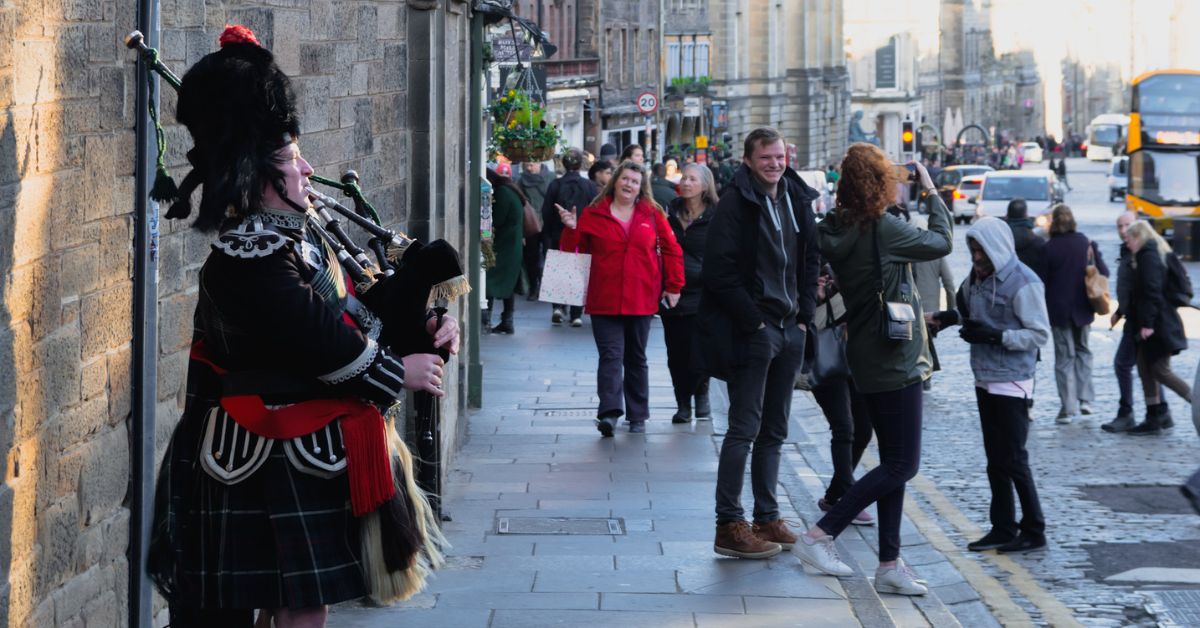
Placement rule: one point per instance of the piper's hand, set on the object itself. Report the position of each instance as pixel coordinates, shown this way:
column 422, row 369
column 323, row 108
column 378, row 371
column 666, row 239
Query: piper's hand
column 423, row 372
column 1146, row 333
column 672, row 298
column 926, row 181
column 932, row 323
column 821, row 282
column 569, row 218
column 1116, row 318
column 446, row 335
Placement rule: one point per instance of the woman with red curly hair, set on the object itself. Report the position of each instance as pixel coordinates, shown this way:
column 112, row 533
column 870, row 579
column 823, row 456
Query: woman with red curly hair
column 871, row 253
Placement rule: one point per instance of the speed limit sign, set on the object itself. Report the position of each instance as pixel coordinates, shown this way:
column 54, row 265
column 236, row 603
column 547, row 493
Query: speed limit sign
column 647, row 102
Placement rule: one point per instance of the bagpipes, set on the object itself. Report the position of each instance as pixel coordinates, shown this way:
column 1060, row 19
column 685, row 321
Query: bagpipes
column 402, row 285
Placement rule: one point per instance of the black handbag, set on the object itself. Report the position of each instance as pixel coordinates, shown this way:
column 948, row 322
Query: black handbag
column 830, row 363
column 896, row 318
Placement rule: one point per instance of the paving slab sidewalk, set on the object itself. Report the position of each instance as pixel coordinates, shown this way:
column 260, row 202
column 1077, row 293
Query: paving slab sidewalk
column 534, row 458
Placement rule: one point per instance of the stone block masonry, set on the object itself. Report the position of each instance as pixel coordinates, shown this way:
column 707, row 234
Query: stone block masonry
column 67, row 95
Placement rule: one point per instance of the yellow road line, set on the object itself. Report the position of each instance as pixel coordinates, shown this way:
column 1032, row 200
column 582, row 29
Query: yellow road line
column 993, row 593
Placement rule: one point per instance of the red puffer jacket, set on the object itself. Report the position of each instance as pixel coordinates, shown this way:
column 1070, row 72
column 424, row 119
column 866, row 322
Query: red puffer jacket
column 626, row 278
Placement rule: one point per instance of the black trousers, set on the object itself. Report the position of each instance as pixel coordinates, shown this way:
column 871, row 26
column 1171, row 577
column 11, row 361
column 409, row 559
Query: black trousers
column 679, row 332
column 531, row 258
column 850, row 432
column 896, row 415
column 1005, row 424
column 622, row 378
column 760, row 401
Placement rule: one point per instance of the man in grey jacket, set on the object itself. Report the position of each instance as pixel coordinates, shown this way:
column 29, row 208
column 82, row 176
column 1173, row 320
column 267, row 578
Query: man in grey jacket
column 1003, row 305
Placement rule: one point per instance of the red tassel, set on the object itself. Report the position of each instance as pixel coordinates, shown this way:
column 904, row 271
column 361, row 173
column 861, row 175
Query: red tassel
column 367, row 461
column 238, row 34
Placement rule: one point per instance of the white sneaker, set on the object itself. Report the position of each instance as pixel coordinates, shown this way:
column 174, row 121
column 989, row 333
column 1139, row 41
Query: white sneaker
column 821, row 555
column 899, row 580
column 1063, row 418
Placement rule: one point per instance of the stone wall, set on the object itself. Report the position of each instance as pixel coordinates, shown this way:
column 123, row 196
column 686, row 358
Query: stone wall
column 66, row 233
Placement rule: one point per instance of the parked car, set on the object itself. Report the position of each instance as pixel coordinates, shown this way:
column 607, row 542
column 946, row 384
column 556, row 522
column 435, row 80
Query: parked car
column 1038, row 188
column 949, row 182
column 1118, row 178
column 1031, row 152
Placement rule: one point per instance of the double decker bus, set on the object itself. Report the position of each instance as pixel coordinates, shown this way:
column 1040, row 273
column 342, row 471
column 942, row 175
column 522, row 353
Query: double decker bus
column 1105, row 134
column 1164, row 146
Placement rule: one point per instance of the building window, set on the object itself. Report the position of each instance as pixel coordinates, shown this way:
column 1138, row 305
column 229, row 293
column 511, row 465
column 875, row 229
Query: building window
column 636, row 58
column 623, row 58
column 702, row 58
column 687, row 66
column 610, row 69
column 672, row 60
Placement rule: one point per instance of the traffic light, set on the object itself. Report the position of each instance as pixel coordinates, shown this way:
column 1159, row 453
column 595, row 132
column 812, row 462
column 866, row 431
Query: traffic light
column 908, row 139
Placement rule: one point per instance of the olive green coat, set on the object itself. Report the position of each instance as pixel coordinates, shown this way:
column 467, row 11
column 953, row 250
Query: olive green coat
column 508, row 232
column 877, row 364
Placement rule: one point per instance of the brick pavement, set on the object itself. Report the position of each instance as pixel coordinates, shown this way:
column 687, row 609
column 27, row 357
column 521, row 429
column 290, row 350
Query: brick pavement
column 532, row 452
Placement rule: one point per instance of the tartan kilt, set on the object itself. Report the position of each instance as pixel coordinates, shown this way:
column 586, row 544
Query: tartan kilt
column 279, row 538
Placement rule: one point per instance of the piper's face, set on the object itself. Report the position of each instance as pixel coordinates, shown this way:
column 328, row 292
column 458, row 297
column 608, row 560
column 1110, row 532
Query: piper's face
column 295, row 177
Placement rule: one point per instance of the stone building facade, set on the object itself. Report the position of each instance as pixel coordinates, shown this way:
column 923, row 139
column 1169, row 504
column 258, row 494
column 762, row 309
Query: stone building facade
column 687, row 72
column 626, row 36
column 382, row 89
column 782, row 64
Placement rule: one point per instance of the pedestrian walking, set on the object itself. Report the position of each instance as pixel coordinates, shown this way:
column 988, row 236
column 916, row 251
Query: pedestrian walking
column 844, row 407
column 663, row 190
column 573, row 192
column 636, row 262
column 1159, row 329
column 508, row 233
column 634, row 153
column 933, row 278
column 689, row 216
column 1061, row 171
column 533, row 183
column 760, row 282
column 1003, row 305
column 284, row 364
column 1126, row 356
column 599, row 173
column 871, row 253
column 608, row 154
column 1068, row 255
column 1031, row 247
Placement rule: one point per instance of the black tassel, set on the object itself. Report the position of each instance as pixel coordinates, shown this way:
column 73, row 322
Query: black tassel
column 182, row 207
column 164, row 189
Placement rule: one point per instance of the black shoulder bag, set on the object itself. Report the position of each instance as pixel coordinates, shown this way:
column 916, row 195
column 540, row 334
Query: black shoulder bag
column 895, row 318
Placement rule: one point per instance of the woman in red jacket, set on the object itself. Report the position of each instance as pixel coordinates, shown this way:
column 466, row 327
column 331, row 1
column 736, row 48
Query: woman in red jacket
column 636, row 262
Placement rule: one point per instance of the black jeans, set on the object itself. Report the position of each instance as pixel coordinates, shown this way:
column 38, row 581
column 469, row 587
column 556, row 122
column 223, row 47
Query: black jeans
column 531, row 259
column 850, row 432
column 896, row 415
column 679, row 332
column 1123, row 364
column 621, row 342
column 1005, row 424
column 760, row 401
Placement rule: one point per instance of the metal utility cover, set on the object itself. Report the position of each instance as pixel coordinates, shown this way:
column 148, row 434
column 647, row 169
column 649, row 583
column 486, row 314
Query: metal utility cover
column 560, row 525
column 1144, row 499
column 1175, row 608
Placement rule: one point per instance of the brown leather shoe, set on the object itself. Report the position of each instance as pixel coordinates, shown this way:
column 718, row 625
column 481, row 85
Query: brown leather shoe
column 739, row 540
column 776, row 532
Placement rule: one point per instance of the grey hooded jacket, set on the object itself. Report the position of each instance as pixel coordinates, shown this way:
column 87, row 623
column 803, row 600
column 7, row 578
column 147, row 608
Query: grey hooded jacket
column 1011, row 299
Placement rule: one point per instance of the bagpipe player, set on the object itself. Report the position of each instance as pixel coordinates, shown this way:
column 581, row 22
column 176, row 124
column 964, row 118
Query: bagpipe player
column 284, row 488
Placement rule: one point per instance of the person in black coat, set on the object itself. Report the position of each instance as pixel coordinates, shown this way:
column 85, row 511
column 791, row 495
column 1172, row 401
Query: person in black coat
column 573, row 192
column 1159, row 330
column 688, row 216
column 1030, row 246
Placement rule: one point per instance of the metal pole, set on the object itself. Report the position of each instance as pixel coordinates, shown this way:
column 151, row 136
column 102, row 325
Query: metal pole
column 475, row 154
column 145, row 338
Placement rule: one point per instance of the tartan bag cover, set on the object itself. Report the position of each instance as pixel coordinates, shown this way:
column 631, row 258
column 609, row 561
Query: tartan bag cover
column 565, row 277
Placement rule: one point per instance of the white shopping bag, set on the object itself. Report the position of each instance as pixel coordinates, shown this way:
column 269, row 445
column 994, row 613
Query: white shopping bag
column 565, row 277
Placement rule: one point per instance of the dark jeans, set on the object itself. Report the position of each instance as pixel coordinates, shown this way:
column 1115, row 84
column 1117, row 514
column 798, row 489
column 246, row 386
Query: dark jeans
column 850, row 432
column 896, row 415
column 1005, row 425
column 531, row 258
column 509, row 306
column 1123, row 364
column 760, row 400
column 621, row 342
column 678, row 331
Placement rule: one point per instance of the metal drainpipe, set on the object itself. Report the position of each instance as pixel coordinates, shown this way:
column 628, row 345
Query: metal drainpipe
column 145, row 339
column 474, row 155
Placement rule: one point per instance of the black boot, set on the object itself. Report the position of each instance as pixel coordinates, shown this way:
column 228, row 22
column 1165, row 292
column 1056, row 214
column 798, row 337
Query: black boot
column 684, row 413
column 1165, row 413
column 703, row 408
column 1122, row 423
column 506, row 324
column 1152, row 426
column 485, row 320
